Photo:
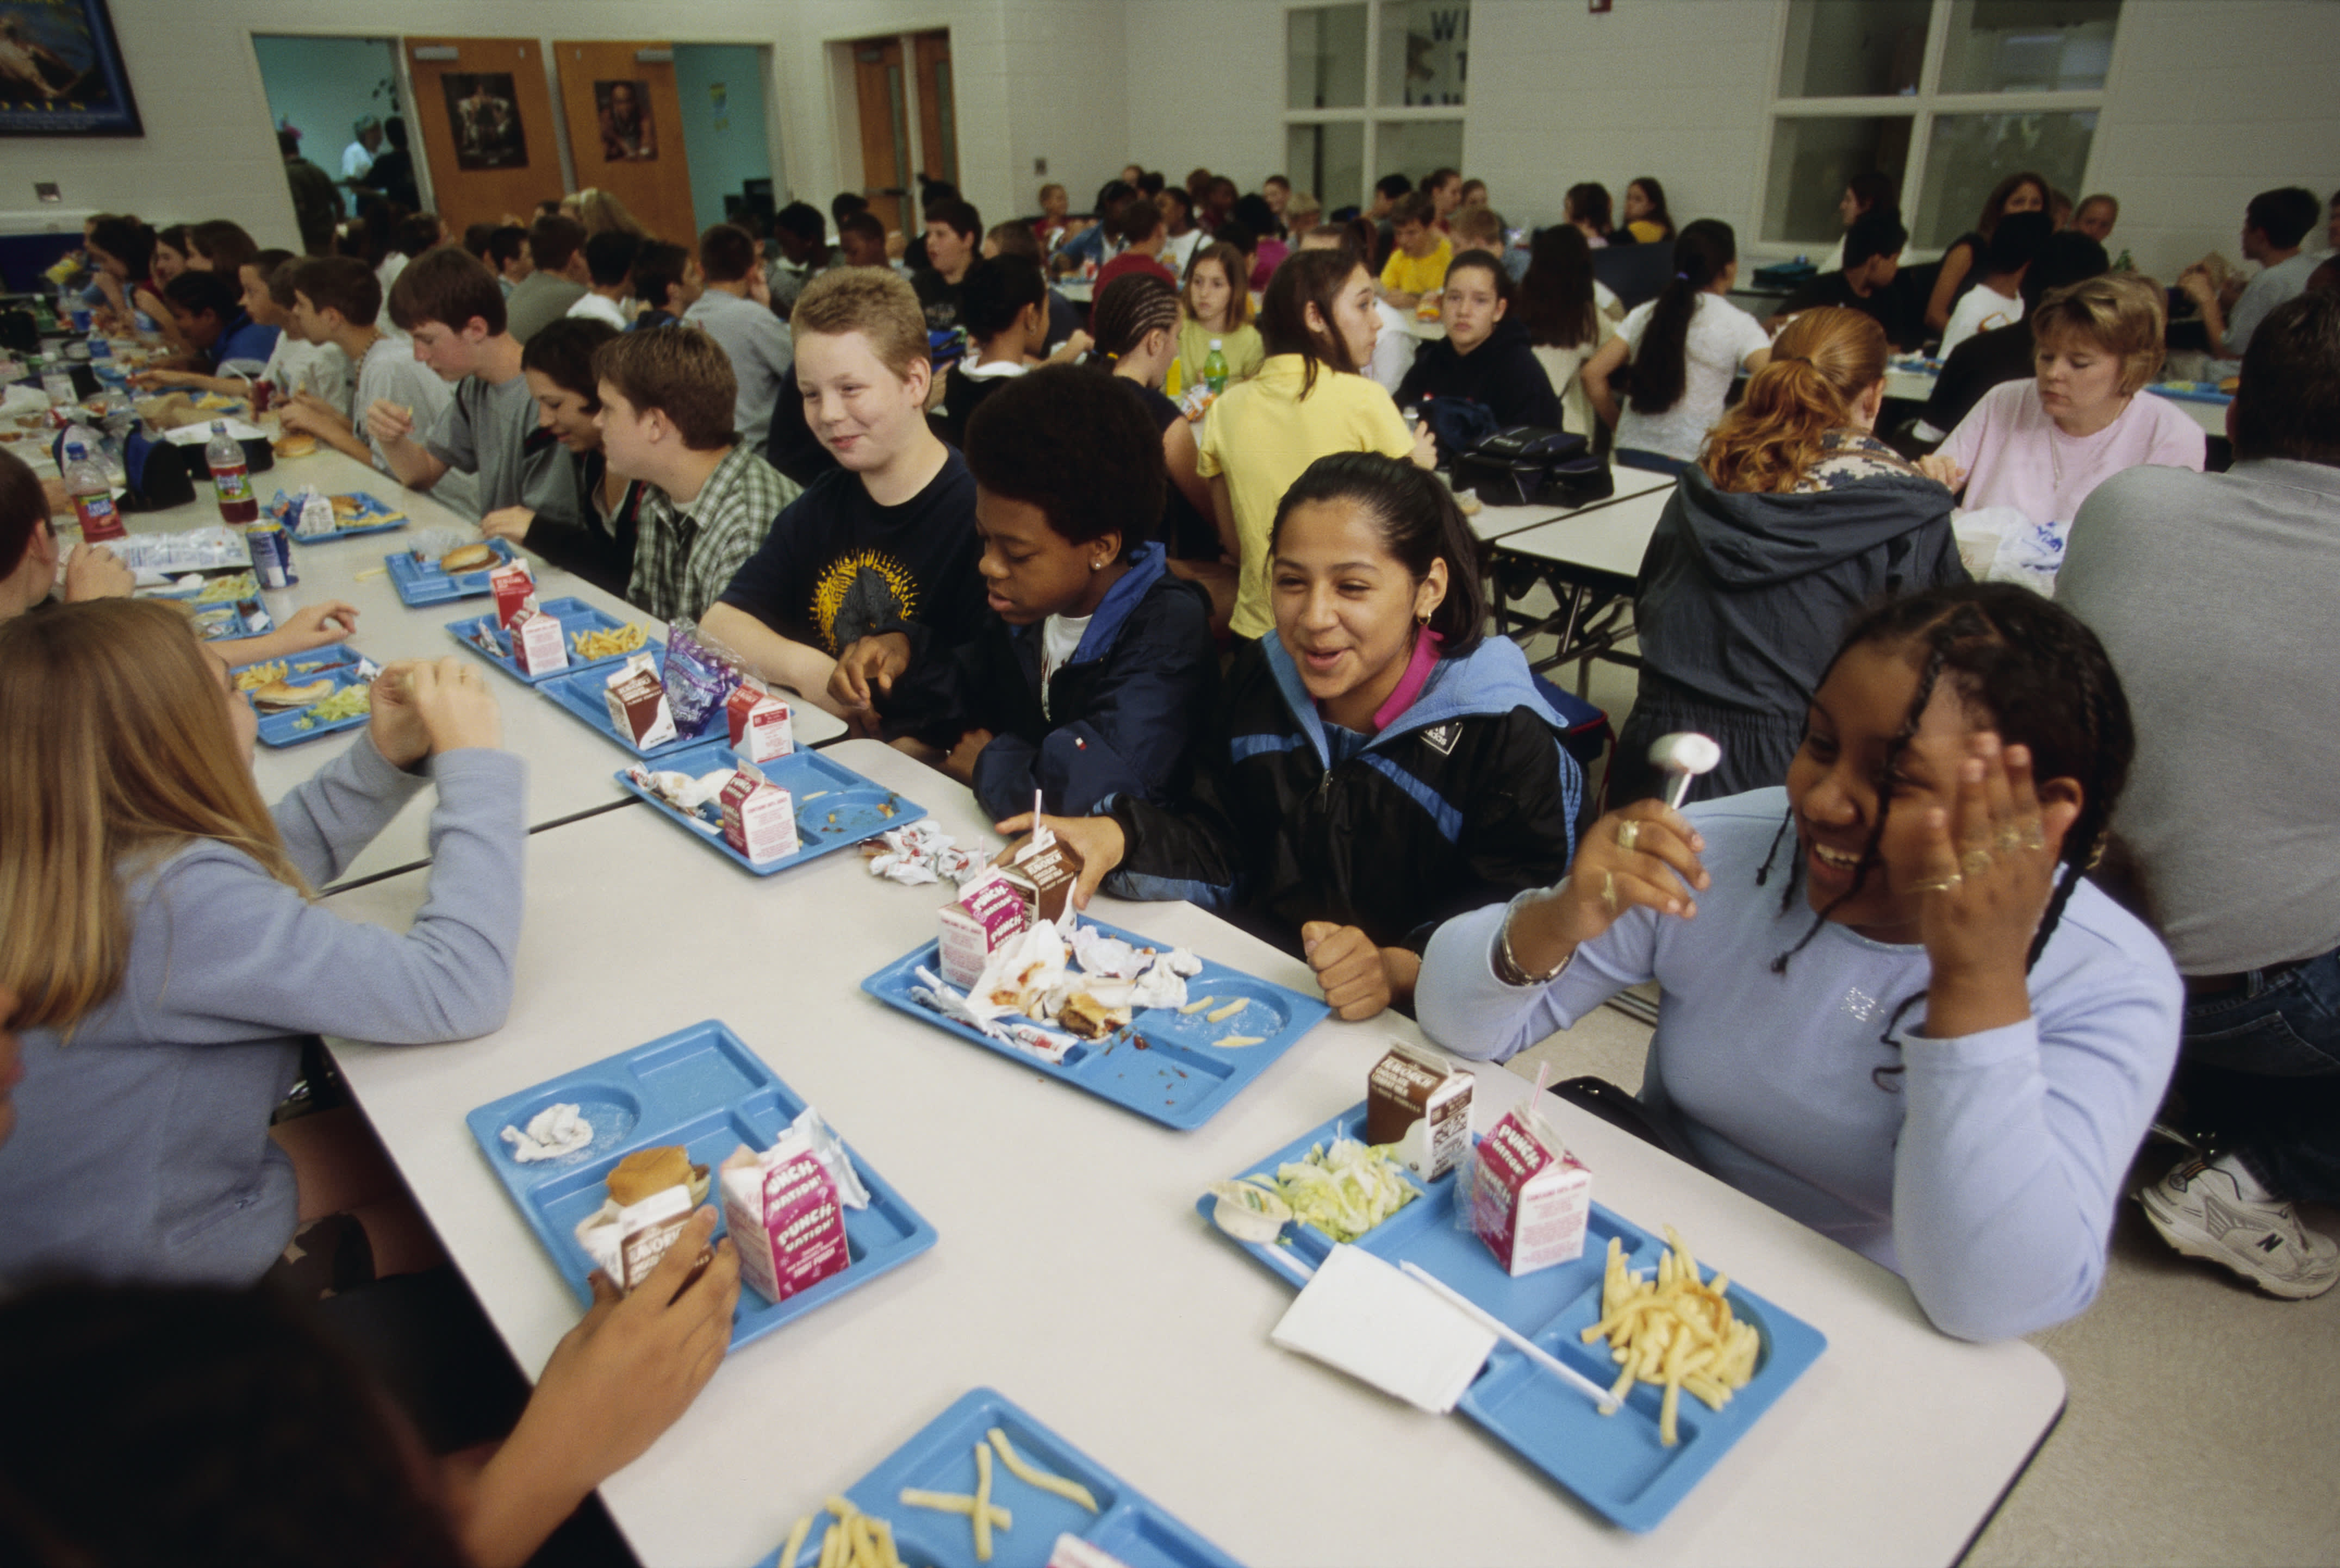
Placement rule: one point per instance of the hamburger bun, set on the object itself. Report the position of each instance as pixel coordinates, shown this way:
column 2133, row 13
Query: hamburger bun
column 653, row 1170
column 278, row 696
column 347, row 506
column 297, row 445
column 467, row 558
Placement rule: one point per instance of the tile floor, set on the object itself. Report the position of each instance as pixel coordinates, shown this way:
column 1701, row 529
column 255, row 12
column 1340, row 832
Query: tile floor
column 2203, row 1422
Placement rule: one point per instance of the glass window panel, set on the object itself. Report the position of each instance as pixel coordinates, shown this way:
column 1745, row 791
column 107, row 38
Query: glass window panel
column 1853, row 48
column 1425, row 53
column 1328, row 162
column 1812, row 160
column 2028, row 45
column 1415, row 148
column 1325, row 63
column 1971, row 153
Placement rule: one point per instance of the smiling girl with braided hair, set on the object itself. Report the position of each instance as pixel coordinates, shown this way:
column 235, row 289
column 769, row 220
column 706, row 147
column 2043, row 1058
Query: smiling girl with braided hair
column 1933, row 1038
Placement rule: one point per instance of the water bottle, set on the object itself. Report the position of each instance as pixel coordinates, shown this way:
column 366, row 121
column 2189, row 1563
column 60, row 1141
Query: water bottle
column 92, row 498
column 231, row 479
column 56, row 383
column 1214, row 370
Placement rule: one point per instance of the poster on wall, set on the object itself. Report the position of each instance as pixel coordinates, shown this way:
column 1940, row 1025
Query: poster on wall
column 485, row 119
column 60, row 72
column 627, row 135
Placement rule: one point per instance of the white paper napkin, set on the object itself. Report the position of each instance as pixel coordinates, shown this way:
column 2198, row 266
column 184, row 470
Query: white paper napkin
column 1362, row 1315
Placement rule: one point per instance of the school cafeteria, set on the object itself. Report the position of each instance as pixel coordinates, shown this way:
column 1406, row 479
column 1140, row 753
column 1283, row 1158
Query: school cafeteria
column 871, row 790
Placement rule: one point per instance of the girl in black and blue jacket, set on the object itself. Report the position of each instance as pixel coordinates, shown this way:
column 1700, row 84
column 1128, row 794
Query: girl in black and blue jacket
column 1378, row 767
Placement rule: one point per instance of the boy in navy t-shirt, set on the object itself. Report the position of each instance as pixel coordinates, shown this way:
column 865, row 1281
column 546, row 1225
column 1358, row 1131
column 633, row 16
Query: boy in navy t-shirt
column 885, row 542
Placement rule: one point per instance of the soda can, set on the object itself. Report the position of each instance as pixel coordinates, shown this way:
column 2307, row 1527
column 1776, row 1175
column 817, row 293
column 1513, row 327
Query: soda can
column 81, row 318
column 262, row 394
column 272, row 554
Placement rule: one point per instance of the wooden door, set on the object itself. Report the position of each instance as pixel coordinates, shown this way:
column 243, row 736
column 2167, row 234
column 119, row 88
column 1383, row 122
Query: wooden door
column 625, row 130
column 882, row 95
column 938, row 112
column 486, row 118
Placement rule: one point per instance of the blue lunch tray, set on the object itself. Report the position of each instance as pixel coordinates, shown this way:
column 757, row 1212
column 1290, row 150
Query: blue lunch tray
column 585, row 695
column 2191, row 391
column 1615, row 1463
column 941, row 1458
column 314, row 662
column 702, row 1088
column 423, row 583
column 340, row 664
column 858, row 807
column 375, row 516
column 575, row 615
column 1165, row 1065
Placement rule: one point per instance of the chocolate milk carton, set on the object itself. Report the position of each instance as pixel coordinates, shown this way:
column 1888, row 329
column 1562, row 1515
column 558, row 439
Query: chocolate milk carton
column 1043, row 873
column 761, row 725
column 759, row 820
column 784, row 1216
column 988, row 913
column 1530, row 1198
column 638, row 709
column 626, row 1243
column 514, row 587
column 1416, row 1098
column 539, row 647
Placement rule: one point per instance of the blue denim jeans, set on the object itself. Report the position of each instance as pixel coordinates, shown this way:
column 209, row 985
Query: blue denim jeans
column 2262, row 1062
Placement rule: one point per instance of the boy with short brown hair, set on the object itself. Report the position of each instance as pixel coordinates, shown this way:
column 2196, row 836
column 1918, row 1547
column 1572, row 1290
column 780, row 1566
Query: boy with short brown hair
column 1417, row 265
column 666, row 396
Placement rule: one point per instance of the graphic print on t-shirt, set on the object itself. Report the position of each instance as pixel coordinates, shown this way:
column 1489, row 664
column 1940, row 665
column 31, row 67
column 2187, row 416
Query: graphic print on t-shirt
column 859, row 594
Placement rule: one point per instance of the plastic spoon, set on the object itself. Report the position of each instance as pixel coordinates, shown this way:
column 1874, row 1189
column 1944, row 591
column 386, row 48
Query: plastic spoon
column 1682, row 756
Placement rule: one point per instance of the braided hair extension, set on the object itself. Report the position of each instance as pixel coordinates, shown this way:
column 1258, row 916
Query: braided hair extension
column 2037, row 673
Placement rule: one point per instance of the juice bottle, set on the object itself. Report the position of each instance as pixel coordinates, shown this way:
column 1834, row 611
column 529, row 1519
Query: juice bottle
column 92, row 498
column 1214, row 370
column 231, row 479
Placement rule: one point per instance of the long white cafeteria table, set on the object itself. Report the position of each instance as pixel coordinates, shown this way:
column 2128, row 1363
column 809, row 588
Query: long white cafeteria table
column 1589, row 560
column 571, row 769
column 1074, row 1275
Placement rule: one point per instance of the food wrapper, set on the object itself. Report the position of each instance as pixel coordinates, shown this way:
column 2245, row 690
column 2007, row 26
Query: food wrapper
column 626, row 1243
column 553, row 1133
column 785, row 1207
column 921, row 854
column 1021, row 974
column 1071, row 1551
column 699, row 678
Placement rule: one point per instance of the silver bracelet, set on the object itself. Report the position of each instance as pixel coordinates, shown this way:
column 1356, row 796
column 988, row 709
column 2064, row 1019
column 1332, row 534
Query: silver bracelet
column 1507, row 965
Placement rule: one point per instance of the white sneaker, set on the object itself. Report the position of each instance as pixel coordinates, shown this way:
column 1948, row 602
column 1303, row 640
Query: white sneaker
column 2199, row 1210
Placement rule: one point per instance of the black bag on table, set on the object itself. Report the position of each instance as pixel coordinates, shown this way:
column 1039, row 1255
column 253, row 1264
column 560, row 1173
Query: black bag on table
column 1523, row 465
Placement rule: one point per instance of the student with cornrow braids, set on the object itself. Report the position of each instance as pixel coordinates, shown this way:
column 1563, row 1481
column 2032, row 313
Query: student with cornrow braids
column 1939, row 1043
column 1137, row 323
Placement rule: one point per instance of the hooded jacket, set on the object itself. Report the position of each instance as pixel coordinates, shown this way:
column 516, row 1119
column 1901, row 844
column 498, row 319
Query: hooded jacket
column 1501, row 375
column 1743, row 597
column 1125, row 715
column 1464, row 799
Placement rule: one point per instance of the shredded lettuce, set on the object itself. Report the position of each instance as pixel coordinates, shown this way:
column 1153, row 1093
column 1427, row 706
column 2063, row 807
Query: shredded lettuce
column 1346, row 1190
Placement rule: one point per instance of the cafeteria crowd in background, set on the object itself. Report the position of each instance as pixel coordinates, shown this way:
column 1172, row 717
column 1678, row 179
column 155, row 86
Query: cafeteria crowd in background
column 1137, row 509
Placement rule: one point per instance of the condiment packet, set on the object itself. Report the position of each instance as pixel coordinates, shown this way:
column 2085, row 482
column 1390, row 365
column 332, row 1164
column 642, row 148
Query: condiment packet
column 551, row 1133
column 699, row 678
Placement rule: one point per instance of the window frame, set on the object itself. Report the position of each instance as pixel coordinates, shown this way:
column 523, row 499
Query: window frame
column 1371, row 115
column 1921, row 109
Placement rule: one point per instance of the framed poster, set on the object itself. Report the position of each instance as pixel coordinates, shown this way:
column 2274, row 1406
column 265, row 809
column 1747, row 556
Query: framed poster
column 485, row 119
column 627, row 135
column 60, row 72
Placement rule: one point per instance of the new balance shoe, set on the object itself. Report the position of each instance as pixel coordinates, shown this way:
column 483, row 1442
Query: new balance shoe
column 2201, row 1211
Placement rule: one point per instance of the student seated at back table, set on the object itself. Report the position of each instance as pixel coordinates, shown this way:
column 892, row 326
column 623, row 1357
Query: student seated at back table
column 1866, row 192
column 1379, row 765
column 731, row 309
column 665, row 418
column 1995, row 300
column 599, row 546
column 609, row 267
column 1014, row 239
column 2040, row 446
column 179, row 956
column 557, row 277
column 1002, row 304
column 1093, row 671
column 1307, row 401
column 887, row 538
column 954, row 237
column 208, row 310
column 1646, row 222
column 1217, row 309
column 1566, row 312
column 2277, row 226
column 2005, row 353
column 667, row 281
column 1686, row 346
column 1254, row 217
column 1137, row 224
column 1793, row 520
column 1933, row 1040
column 300, row 363
column 1872, row 257
column 2223, row 836
column 455, row 313
column 507, row 257
column 335, row 300
column 1484, row 358
column 2023, row 192
column 1417, row 264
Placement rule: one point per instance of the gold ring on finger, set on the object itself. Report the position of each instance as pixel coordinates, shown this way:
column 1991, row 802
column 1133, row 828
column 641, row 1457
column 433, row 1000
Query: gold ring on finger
column 1939, row 885
column 1608, row 890
column 1629, row 834
column 2034, row 836
column 1974, row 863
column 2011, row 838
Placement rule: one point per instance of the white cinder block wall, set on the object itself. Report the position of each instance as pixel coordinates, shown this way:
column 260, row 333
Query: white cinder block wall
column 2209, row 100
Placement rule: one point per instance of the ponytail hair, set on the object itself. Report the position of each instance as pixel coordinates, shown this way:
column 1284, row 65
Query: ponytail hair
column 1419, row 524
column 1308, row 278
column 1660, row 371
column 1133, row 305
column 1823, row 362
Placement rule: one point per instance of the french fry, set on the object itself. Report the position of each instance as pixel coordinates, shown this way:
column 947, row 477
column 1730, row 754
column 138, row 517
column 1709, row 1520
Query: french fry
column 260, row 675
column 606, row 644
column 1676, row 1332
column 959, row 1502
column 795, row 1548
column 1031, row 1474
column 981, row 1510
column 1222, row 1015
